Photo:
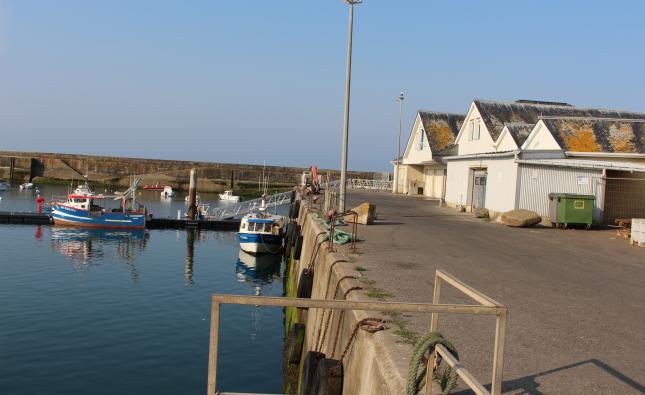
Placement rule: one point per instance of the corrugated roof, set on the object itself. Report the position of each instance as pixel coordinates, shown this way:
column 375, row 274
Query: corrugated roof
column 520, row 131
column 496, row 114
column 598, row 135
column 441, row 128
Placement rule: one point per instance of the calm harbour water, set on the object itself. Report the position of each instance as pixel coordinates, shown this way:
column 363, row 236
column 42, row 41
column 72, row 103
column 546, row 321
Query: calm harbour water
column 104, row 312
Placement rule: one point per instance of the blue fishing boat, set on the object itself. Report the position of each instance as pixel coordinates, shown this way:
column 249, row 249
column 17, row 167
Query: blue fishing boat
column 91, row 210
column 261, row 232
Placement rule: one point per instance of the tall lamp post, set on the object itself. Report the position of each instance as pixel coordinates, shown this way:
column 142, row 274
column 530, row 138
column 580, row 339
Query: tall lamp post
column 348, row 77
column 398, row 147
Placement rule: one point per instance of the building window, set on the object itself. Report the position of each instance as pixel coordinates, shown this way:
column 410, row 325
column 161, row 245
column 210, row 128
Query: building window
column 421, row 137
column 474, row 129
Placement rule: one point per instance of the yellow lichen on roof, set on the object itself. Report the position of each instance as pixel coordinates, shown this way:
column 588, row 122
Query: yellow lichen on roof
column 580, row 138
column 441, row 134
column 621, row 138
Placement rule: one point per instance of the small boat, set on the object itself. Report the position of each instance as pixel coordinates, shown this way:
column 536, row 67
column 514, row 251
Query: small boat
column 4, row 185
column 228, row 195
column 26, row 185
column 155, row 187
column 84, row 211
column 167, row 192
column 261, row 232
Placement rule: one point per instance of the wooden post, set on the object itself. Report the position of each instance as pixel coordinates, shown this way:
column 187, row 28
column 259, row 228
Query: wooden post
column 192, row 195
column 12, row 169
column 498, row 354
column 436, row 295
column 212, row 349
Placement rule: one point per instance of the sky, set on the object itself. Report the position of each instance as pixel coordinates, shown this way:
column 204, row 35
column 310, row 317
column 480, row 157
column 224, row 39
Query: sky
column 263, row 81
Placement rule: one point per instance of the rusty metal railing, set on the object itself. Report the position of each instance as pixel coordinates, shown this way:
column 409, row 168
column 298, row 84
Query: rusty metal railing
column 486, row 306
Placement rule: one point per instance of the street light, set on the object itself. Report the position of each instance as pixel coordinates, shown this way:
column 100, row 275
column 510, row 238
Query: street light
column 348, row 76
column 398, row 149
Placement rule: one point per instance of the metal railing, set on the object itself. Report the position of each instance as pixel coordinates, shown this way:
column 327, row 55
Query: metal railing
column 219, row 213
column 486, row 306
column 359, row 183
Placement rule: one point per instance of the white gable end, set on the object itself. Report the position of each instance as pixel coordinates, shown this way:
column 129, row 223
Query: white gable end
column 417, row 150
column 474, row 137
column 540, row 139
column 505, row 141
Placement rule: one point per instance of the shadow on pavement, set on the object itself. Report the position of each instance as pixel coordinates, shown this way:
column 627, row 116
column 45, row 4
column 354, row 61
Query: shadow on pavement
column 529, row 385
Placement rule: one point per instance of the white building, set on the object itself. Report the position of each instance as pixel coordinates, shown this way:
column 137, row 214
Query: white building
column 422, row 170
column 511, row 155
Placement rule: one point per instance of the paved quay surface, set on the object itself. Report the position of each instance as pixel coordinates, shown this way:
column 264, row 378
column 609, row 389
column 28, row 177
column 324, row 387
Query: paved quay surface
column 576, row 299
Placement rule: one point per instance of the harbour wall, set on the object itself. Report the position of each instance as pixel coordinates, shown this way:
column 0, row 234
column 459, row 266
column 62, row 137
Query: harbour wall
column 27, row 166
column 376, row 363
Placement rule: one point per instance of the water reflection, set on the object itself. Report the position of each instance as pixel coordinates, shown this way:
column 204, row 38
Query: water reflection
column 258, row 270
column 85, row 247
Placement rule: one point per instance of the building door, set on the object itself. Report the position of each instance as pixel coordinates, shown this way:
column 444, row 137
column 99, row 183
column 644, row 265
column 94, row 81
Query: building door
column 624, row 196
column 429, row 177
column 439, row 175
column 479, row 189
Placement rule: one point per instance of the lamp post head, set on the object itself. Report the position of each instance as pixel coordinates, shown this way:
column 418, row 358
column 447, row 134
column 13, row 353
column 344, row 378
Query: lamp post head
column 352, row 2
column 400, row 98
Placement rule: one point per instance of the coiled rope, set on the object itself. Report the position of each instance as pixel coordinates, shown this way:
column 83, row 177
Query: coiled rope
column 446, row 378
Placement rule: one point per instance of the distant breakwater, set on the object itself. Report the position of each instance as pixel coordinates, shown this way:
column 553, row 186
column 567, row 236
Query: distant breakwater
column 52, row 167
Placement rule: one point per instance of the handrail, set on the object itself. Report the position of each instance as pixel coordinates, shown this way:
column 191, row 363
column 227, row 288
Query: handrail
column 281, row 198
column 434, row 308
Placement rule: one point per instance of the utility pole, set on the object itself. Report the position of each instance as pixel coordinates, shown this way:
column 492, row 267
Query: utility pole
column 398, row 149
column 348, row 76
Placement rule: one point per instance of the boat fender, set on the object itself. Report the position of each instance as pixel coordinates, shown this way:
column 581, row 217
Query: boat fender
column 298, row 247
column 328, row 379
column 294, row 342
column 295, row 235
column 309, row 368
column 295, row 210
column 305, row 283
column 287, row 231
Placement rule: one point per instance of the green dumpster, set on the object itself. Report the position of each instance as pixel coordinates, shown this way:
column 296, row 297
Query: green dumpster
column 569, row 208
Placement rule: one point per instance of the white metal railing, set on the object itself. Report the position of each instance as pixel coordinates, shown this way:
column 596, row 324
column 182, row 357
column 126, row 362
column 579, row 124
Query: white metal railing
column 359, row 183
column 219, row 213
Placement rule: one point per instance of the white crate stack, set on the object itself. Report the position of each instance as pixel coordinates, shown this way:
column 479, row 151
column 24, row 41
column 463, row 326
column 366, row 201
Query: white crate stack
column 638, row 232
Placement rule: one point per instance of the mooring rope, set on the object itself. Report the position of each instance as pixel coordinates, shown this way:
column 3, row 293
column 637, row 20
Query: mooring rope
column 446, row 378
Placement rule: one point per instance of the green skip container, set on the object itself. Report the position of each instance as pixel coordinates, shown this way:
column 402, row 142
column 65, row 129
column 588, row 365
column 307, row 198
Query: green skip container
column 569, row 208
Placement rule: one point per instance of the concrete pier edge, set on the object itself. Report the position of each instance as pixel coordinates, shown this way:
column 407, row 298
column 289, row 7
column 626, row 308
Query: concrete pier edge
column 376, row 363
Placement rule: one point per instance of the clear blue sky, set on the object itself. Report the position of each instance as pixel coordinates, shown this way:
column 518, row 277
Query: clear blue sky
column 249, row 81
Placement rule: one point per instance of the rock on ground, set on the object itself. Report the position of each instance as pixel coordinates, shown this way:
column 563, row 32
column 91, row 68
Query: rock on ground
column 366, row 214
column 521, row 218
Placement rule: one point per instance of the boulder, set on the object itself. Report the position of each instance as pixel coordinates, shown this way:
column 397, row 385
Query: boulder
column 366, row 214
column 521, row 218
column 481, row 213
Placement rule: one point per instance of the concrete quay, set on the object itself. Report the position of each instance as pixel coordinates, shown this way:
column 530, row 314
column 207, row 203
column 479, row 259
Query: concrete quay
column 576, row 298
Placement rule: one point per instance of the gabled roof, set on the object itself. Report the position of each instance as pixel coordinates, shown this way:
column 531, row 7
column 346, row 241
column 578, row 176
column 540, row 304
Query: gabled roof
column 441, row 128
column 519, row 131
column 496, row 114
column 577, row 134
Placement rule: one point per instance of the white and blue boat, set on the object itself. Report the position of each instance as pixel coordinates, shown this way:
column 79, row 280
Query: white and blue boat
column 261, row 232
column 84, row 210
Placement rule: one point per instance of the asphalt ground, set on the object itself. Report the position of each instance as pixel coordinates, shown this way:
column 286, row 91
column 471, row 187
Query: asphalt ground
column 576, row 298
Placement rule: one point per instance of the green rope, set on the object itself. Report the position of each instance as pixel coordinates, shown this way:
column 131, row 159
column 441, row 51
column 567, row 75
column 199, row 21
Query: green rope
column 446, row 377
column 340, row 237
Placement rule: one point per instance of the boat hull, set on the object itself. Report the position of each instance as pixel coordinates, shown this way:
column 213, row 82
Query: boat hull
column 257, row 243
column 68, row 216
